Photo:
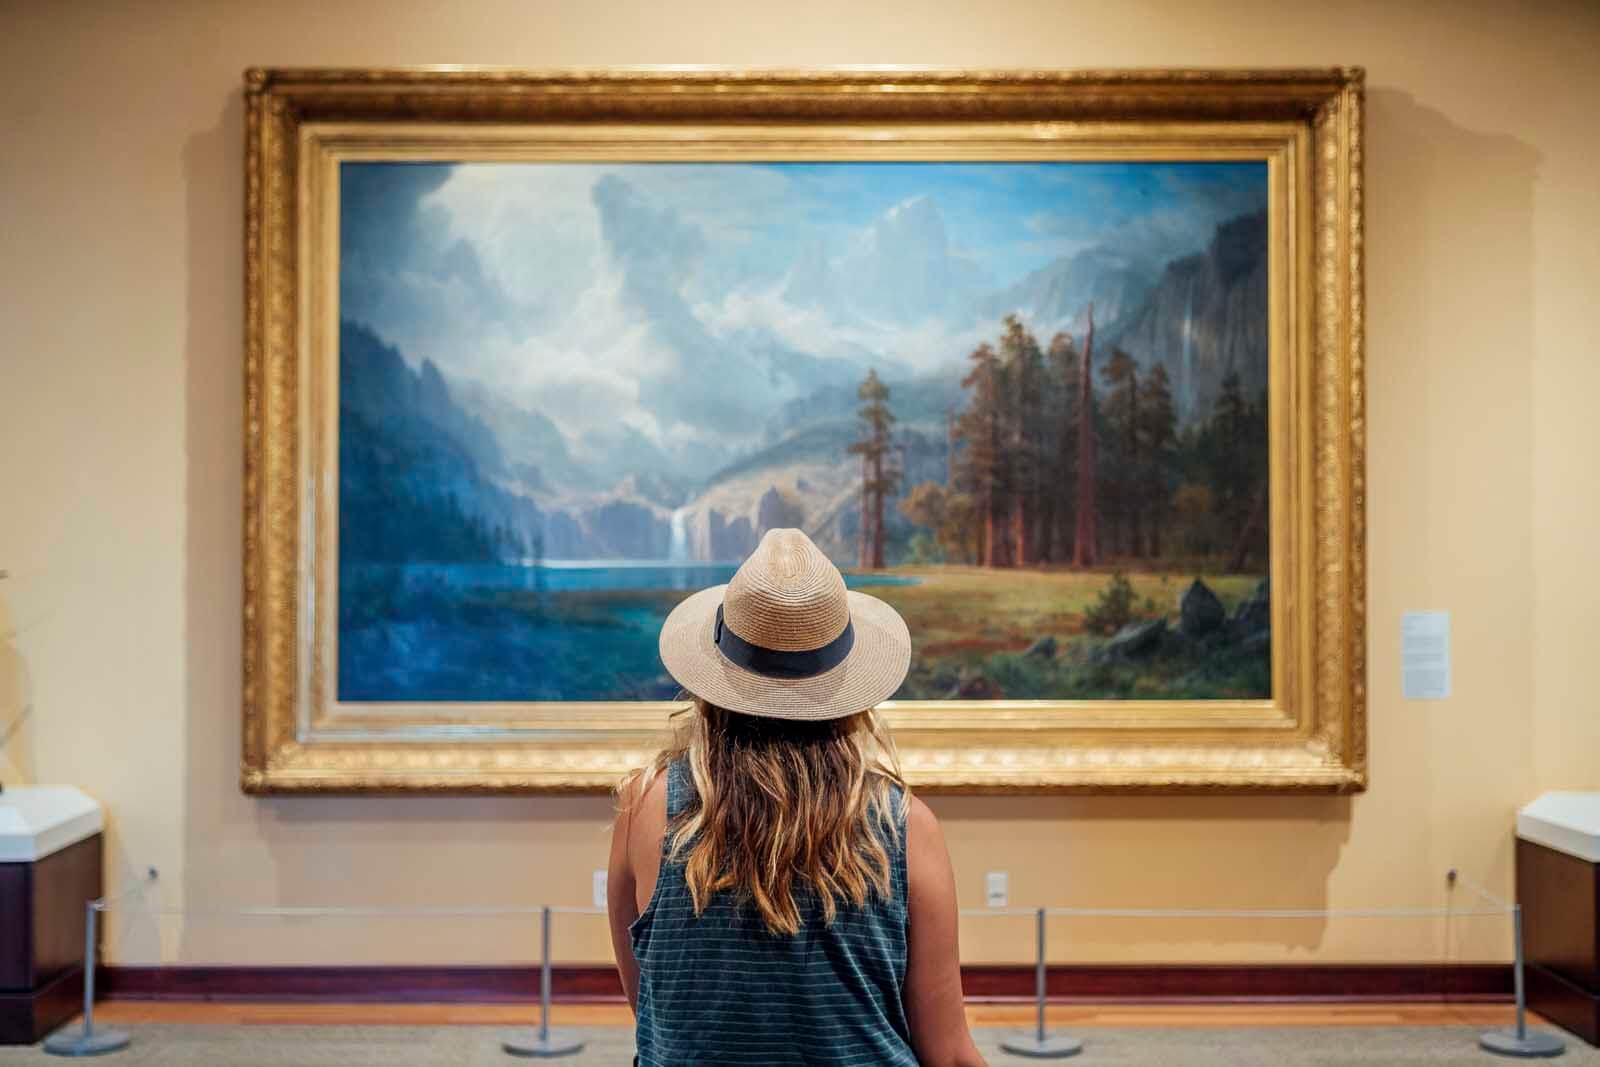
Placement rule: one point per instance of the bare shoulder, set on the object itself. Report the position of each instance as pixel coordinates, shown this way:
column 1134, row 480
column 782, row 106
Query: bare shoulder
column 927, row 858
column 643, row 808
column 921, row 823
column 653, row 805
column 628, row 795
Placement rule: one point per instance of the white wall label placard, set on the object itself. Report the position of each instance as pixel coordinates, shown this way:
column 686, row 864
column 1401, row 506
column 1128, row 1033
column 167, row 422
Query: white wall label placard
column 1425, row 654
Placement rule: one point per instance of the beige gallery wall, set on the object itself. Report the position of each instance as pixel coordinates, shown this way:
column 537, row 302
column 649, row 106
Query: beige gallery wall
column 120, row 429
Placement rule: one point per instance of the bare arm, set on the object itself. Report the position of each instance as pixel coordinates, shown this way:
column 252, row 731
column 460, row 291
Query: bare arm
column 621, row 903
column 934, row 1008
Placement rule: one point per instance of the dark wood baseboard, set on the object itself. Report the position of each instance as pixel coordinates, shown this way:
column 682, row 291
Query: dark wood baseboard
column 1244, row 983
column 577, row 983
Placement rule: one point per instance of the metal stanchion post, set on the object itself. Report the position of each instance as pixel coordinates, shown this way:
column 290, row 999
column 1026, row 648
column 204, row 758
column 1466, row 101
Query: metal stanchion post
column 1041, row 1044
column 85, row 1040
column 1521, row 1042
column 547, row 1044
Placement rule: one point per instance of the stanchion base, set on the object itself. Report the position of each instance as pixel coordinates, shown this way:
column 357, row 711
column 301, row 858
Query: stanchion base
column 75, row 1042
column 1533, row 1044
column 553, row 1044
column 1048, row 1047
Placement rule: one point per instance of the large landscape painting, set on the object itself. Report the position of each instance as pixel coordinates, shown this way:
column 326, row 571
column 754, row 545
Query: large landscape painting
column 1025, row 403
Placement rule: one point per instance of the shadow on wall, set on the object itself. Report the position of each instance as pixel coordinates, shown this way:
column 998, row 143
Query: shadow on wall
column 1426, row 173
column 16, row 699
column 1451, row 302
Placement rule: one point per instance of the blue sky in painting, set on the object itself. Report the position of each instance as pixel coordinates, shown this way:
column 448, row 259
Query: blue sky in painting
column 1012, row 218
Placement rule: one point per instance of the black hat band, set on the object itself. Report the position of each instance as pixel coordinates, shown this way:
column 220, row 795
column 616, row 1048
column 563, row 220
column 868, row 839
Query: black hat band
column 778, row 663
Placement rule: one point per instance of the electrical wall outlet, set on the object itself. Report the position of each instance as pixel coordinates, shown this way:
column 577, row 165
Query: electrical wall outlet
column 997, row 889
column 599, row 889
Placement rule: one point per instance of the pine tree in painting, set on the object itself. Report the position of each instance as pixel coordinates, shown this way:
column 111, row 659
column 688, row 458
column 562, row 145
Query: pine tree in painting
column 1158, row 430
column 1062, row 418
column 879, row 479
column 982, row 430
column 1121, row 460
column 1024, row 366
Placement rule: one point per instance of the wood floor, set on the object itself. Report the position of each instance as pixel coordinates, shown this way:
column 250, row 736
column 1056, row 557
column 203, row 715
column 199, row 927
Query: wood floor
column 1187, row 1016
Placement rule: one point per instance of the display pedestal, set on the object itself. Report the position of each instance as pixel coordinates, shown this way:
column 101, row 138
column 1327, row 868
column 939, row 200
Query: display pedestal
column 1558, row 886
column 49, row 868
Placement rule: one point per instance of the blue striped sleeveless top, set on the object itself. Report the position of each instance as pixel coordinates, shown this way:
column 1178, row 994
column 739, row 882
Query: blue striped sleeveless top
column 721, row 989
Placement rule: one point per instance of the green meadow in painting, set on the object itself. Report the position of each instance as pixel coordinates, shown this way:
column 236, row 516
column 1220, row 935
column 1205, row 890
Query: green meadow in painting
column 1025, row 403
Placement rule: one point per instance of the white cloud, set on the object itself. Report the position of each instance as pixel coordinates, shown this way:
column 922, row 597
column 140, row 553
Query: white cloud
column 534, row 228
column 921, row 346
column 728, row 203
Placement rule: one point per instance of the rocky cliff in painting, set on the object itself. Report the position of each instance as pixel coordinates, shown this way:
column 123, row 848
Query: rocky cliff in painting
column 1206, row 318
column 1060, row 292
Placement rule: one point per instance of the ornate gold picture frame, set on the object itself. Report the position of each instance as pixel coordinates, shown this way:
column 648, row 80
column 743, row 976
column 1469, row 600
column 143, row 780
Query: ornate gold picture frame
column 1304, row 127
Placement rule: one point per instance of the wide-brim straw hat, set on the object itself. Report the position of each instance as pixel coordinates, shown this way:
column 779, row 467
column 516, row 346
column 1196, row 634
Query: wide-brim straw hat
column 785, row 639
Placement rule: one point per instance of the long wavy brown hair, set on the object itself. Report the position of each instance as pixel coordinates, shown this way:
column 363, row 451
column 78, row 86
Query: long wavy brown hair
column 782, row 805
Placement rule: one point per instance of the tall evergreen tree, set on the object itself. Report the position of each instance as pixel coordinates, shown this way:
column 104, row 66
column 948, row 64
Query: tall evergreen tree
column 1061, row 419
column 982, row 466
column 1121, row 461
column 1251, row 538
column 879, row 479
column 1158, row 425
column 1231, row 474
column 1023, row 363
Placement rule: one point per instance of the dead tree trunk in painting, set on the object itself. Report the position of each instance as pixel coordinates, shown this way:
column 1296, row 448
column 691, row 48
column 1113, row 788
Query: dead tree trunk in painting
column 950, row 435
column 864, row 541
column 879, row 492
column 1020, row 533
column 1083, row 549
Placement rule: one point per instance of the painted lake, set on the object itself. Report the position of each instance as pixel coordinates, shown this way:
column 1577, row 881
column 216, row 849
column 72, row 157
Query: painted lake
column 561, row 630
